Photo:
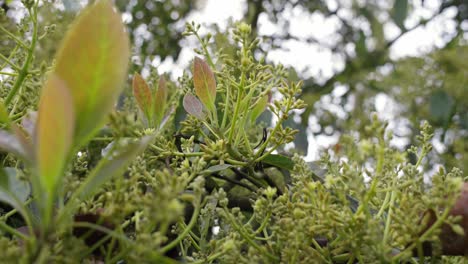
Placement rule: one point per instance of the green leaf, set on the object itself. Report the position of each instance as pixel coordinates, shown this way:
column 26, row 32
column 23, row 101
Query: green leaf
column 204, row 82
column 143, row 96
column 92, row 61
column 193, row 106
column 13, row 191
column 259, row 108
column 111, row 166
column 279, row 161
column 160, row 101
column 218, row 168
column 54, row 132
column 400, row 12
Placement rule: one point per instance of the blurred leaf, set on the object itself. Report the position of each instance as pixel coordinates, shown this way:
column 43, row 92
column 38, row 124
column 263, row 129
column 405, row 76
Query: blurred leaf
column 400, row 12
column 9, row 143
column 279, row 161
column 111, row 166
column 54, row 134
column 13, row 191
column 204, row 82
column 441, row 107
column 143, row 96
column 160, row 101
column 21, row 189
column 259, row 108
column 29, row 123
column 193, row 106
column 92, row 61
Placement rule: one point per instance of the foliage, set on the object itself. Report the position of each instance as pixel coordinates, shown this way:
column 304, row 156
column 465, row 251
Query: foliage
column 188, row 171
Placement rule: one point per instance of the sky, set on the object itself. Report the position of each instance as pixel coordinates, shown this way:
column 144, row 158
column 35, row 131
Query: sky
column 309, row 58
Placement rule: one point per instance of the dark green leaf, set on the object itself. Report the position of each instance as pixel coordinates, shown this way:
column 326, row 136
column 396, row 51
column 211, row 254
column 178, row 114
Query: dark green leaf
column 400, row 12
column 279, row 161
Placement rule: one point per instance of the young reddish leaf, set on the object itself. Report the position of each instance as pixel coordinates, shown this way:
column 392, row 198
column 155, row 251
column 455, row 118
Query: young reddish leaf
column 92, row 61
column 258, row 108
column 193, row 106
column 204, row 82
column 54, row 132
column 160, row 101
column 143, row 96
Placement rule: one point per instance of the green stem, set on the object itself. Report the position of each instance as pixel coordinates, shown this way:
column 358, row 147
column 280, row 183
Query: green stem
column 246, row 236
column 205, row 50
column 440, row 221
column 13, row 231
column 226, row 107
column 247, row 142
column 15, row 38
column 9, row 73
column 186, row 231
column 211, row 129
column 236, row 112
column 12, row 54
column 103, row 229
column 389, row 218
column 14, row 211
column 9, row 62
column 176, row 153
column 236, row 162
column 23, row 72
column 263, row 225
